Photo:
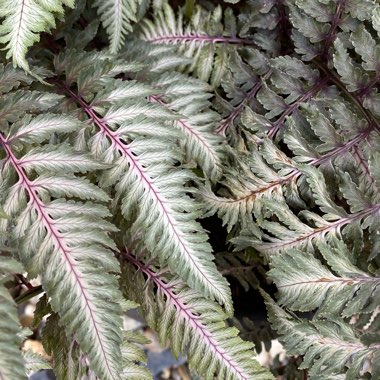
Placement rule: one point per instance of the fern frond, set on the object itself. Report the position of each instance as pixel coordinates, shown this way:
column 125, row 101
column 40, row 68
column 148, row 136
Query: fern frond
column 318, row 26
column 340, row 137
column 68, row 361
column 191, row 322
column 151, row 191
column 15, row 103
column 74, row 266
column 241, row 84
column 291, row 231
column 11, row 78
column 11, row 361
column 132, row 352
column 71, row 363
column 329, row 347
column 188, row 97
column 117, row 17
column 305, row 284
column 203, row 38
column 263, row 174
column 362, row 74
column 23, row 21
column 266, row 23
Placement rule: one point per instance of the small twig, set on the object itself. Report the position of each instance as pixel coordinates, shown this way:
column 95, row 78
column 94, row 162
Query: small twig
column 34, row 291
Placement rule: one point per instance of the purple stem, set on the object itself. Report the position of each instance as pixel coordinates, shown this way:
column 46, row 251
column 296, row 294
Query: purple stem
column 295, row 173
column 322, row 230
column 368, row 87
column 202, row 39
column 363, row 163
column 372, row 122
column 292, row 107
column 347, row 281
column 227, row 122
column 331, row 34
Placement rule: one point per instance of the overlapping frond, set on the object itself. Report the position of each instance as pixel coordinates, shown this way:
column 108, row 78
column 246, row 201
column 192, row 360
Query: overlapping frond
column 70, row 362
column 319, row 135
column 130, row 132
column 309, row 193
column 75, row 262
column 297, row 186
column 301, row 230
column 305, row 284
column 329, row 347
column 23, row 21
column 208, row 38
column 243, row 192
column 191, row 322
column 189, row 97
column 117, row 17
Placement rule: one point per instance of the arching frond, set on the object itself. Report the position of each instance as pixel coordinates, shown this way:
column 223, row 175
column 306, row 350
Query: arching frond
column 204, row 38
column 299, row 231
column 191, row 322
column 305, row 284
column 243, row 192
column 267, row 174
column 73, row 266
column 23, row 21
column 152, row 192
column 117, row 17
column 330, row 347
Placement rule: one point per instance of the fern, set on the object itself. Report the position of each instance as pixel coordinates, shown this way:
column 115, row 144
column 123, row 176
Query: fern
column 189, row 322
column 203, row 37
column 264, row 114
column 117, row 17
column 302, row 187
column 23, row 21
column 344, row 293
column 35, row 362
column 330, row 347
column 47, row 237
